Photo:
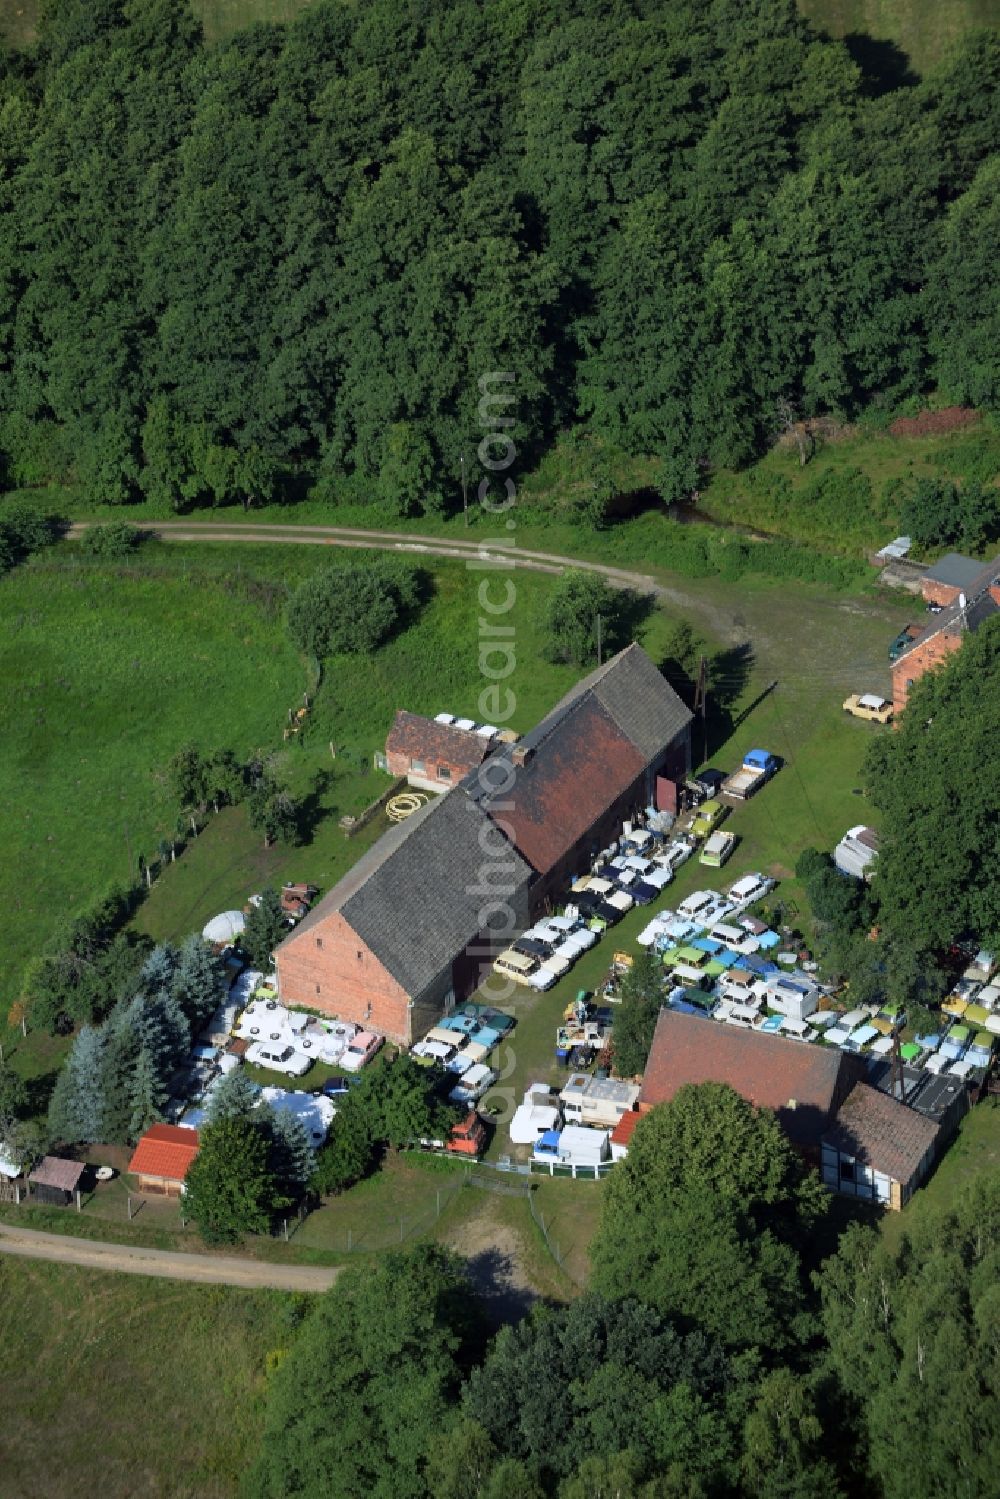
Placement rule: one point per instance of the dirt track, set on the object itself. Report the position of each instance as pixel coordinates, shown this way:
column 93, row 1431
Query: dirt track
column 204, row 1269
column 725, row 624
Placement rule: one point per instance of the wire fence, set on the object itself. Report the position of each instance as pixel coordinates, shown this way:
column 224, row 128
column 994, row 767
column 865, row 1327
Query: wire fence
column 551, row 1243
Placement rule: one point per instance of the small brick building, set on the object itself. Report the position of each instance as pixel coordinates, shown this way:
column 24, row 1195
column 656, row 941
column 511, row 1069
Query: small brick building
column 414, row 926
column 432, row 755
column 964, row 608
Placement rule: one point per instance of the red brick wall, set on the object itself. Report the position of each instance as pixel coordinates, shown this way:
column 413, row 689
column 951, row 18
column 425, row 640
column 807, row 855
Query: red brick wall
column 349, row 987
column 915, row 663
column 939, row 593
column 399, row 765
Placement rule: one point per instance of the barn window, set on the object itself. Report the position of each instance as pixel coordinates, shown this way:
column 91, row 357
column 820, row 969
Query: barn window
column 317, row 988
column 360, row 955
column 444, row 774
column 319, row 941
column 418, row 767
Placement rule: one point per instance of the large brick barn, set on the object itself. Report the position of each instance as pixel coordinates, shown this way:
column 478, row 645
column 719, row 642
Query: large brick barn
column 411, row 929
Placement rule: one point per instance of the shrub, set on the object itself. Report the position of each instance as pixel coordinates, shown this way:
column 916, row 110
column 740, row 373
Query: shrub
column 116, row 539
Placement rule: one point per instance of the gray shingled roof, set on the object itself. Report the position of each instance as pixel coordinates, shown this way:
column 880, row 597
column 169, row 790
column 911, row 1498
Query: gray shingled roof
column 954, row 570
column 410, row 897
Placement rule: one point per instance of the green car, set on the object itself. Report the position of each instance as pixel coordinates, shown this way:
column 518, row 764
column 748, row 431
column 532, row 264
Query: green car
column 710, row 814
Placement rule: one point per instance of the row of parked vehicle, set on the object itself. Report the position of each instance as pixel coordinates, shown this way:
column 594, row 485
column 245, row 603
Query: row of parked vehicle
column 546, row 952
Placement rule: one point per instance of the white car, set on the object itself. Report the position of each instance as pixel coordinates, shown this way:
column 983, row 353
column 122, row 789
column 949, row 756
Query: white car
column 541, row 979
column 675, row 854
column 620, row 899
column 696, row 906
column 659, row 876
column 749, row 889
column 718, row 911
column 655, row 929
column 477, row 1081
column 276, row 1057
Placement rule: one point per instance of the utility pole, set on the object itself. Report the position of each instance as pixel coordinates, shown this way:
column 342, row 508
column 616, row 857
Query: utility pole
column 465, row 492
column 701, row 703
column 600, row 656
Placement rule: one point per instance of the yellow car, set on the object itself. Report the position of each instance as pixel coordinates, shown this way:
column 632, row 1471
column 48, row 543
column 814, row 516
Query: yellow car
column 867, row 705
column 710, row 814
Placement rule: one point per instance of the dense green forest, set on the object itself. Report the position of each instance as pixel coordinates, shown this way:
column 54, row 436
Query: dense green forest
column 707, row 1359
column 284, row 262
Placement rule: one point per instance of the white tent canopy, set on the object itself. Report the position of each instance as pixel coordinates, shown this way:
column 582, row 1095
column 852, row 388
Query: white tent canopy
column 225, row 927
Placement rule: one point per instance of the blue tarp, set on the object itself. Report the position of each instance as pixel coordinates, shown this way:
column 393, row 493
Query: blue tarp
column 929, row 1043
column 706, row 944
column 730, row 958
column 768, row 940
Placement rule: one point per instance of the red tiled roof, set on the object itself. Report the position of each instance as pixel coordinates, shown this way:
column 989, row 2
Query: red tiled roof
column 882, row 1133
column 584, row 765
column 625, row 1128
column 801, row 1082
column 165, row 1150
column 425, row 739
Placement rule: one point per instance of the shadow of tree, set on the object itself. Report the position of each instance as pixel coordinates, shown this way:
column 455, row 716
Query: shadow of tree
column 312, row 809
column 884, row 65
column 504, row 1299
column 728, row 677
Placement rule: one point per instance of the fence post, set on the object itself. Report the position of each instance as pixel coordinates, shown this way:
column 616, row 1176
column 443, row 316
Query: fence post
column 350, row 1239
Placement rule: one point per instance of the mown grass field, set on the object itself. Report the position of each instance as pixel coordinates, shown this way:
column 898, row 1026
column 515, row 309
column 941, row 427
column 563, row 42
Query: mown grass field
column 922, row 29
column 104, row 673
column 126, row 1387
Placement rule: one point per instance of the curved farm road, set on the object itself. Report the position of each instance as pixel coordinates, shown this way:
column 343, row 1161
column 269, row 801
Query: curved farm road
column 202, row 1269
column 719, row 620
column 720, row 612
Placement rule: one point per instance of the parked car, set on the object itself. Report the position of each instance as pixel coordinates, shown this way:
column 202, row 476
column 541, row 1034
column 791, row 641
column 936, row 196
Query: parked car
column 718, row 847
column 516, row 966
column 904, row 640
column 710, row 814
column 533, row 947
column 279, row 1057
column 748, row 890
column 467, row 1137
column 869, row 706
column 694, row 905
column 674, row 854
column 361, row 1050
